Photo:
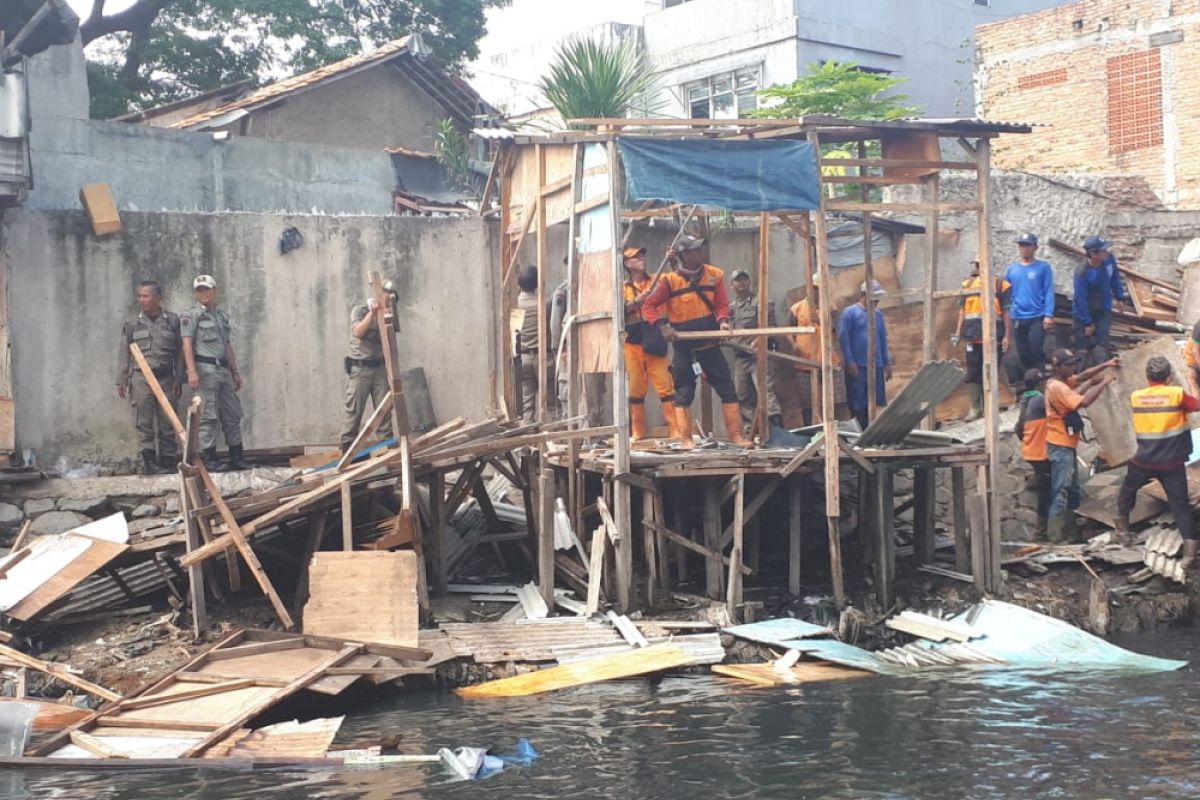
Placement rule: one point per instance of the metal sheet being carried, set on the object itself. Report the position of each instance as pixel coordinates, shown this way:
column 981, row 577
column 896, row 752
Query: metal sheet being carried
column 936, row 381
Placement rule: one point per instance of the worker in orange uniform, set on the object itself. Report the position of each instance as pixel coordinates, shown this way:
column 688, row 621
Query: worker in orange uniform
column 646, row 358
column 807, row 313
column 693, row 298
column 1164, row 444
column 1063, row 427
column 1031, row 430
column 970, row 331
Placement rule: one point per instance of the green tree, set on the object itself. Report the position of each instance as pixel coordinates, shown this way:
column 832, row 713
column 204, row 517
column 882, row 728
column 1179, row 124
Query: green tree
column 590, row 78
column 157, row 51
column 838, row 88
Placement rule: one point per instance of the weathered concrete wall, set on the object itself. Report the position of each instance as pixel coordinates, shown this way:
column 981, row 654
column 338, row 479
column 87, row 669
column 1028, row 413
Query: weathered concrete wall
column 69, row 291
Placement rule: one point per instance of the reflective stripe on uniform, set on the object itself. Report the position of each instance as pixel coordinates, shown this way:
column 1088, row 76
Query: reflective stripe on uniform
column 685, row 302
column 1160, row 425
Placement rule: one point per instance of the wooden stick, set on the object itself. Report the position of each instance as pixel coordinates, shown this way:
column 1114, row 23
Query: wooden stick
column 786, row 330
column 20, row 540
column 712, row 555
column 733, row 594
column 371, row 425
column 760, row 366
column 14, row 557
column 95, row 746
column 57, row 671
column 801, row 457
column 596, row 569
column 153, row 701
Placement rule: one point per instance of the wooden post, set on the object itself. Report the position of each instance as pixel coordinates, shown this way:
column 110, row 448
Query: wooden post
column 347, row 518
column 977, row 506
column 437, row 523
column 885, row 539
column 795, row 498
column 833, row 495
column 991, row 392
column 929, row 346
column 868, row 278
column 814, row 376
column 733, row 596
column 504, row 293
column 572, row 343
column 679, row 515
column 386, row 322
column 923, row 515
column 190, row 524
column 543, row 273
column 545, row 540
column 962, row 535
column 650, row 538
column 712, row 538
column 622, row 513
column 760, row 342
column 664, row 557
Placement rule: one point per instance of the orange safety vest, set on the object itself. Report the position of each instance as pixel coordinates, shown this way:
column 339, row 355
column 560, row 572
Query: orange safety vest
column 973, row 307
column 632, row 290
column 1161, row 425
column 691, row 304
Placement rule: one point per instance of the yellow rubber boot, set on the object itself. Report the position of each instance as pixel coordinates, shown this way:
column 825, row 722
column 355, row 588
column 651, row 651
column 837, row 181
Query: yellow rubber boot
column 683, row 422
column 637, row 422
column 733, row 424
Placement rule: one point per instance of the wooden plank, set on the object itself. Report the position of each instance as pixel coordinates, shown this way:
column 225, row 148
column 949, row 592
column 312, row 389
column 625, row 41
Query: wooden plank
column 643, row 661
column 369, row 427
column 347, row 505
column 98, row 554
column 94, row 746
column 771, row 675
column 900, row 207
column 711, row 529
column 181, row 725
column 991, row 361
column 345, row 654
column 19, row 542
column 885, row 538
column 58, row 671
column 755, row 505
column 742, row 333
column 150, row 701
column 803, row 456
column 364, row 596
column 385, row 315
column 733, row 599
column 255, row 648
column 596, row 569
column 762, row 286
column 898, row 162
column 933, row 245
column 962, row 533
column 695, row 547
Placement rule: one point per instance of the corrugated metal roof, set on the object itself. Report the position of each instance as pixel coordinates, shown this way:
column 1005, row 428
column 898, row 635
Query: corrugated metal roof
column 935, row 381
column 451, row 91
column 502, row 641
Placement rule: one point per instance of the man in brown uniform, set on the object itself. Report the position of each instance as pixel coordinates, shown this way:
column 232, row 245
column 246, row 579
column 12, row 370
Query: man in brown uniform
column 366, row 374
column 744, row 308
column 156, row 333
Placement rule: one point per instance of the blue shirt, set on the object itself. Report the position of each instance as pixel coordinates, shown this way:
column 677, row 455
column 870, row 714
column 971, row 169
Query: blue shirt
column 1032, row 292
column 1095, row 288
column 852, row 336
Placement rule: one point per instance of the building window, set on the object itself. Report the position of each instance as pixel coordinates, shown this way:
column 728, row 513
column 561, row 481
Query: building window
column 1134, row 102
column 1037, row 80
column 727, row 95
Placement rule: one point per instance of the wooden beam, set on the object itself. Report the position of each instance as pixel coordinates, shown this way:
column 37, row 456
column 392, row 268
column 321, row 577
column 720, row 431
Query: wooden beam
column 873, row 180
column 962, row 534
column 255, row 649
column 369, row 427
column 857, row 458
column 896, row 162
column 94, row 746
column 928, row 345
column 803, row 456
column 762, row 286
column 924, row 501
column 753, row 508
column 57, row 671
column 991, row 360
column 130, row 721
column 153, row 701
column 437, row 521
column 596, row 569
column 733, row 595
column 884, row 537
column 708, row 553
column 385, row 323
column 899, row 208
column 622, row 503
column 760, row 333
column 713, row 578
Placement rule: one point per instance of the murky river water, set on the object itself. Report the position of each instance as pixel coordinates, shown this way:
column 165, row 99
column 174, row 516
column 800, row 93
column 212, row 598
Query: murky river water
column 995, row 735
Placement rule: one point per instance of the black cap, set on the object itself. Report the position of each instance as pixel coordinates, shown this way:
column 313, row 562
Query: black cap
column 689, row 243
column 1028, row 238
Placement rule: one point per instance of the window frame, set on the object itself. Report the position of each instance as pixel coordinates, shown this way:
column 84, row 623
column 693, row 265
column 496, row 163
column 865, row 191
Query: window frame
column 734, row 106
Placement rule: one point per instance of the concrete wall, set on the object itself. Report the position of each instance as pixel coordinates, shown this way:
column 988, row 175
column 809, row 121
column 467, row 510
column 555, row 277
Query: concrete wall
column 68, row 292
column 1135, row 61
column 372, row 109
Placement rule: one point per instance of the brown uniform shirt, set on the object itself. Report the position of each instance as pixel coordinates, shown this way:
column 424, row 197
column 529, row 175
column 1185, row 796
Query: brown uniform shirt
column 160, row 342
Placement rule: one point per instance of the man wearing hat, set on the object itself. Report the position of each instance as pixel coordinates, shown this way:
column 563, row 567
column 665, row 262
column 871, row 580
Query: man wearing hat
column 1164, row 444
column 1097, row 282
column 744, row 308
column 1067, row 393
column 693, row 298
column 212, row 371
column 1031, row 310
column 156, row 333
column 646, row 358
column 366, row 373
column 806, row 313
column 853, row 336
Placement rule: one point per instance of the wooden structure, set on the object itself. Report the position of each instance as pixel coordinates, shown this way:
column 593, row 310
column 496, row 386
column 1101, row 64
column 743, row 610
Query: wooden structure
column 576, row 179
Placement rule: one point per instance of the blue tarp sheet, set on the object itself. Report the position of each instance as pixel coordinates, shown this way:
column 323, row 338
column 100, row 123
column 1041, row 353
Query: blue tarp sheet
column 733, row 175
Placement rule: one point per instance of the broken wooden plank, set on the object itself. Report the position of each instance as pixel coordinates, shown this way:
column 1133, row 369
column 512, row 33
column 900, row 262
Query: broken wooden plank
column 699, row 548
column 596, row 570
column 153, row 700
column 647, row 660
column 94, row 746
column 368, row 596
column 57, row 671
column 932, row 628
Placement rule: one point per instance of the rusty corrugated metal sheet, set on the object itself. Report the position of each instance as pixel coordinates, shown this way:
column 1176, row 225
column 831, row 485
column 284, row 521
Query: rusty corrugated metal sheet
column 501, row 641
column 935, row 381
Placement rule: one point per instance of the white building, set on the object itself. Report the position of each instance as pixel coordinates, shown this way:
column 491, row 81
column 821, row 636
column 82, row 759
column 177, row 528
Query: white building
column 712, row 55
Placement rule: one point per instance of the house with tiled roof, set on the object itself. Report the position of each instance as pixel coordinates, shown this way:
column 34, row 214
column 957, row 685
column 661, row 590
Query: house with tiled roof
column 391, row 97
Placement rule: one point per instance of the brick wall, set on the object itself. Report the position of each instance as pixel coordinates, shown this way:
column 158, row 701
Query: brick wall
column 1114, row 86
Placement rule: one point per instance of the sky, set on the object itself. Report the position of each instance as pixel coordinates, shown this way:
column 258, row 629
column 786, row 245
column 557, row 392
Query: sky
column 83, row 7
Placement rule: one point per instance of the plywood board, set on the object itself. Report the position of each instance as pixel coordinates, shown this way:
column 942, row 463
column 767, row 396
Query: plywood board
column 293, row 739
column 595, row 295
column 906, row 335
column 8, row 409
column 336, row 684
column 1112, row 416
column 134, row 746
column 364, row 596
column 804, row 672
column 58, row 583
column 283, row 665
column 215, row 708
column 656, row 658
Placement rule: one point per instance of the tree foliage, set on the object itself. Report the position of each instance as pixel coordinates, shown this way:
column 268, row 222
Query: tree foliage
column 592, row 78
column 838, row 88
column 157, row 51
column 454, row 154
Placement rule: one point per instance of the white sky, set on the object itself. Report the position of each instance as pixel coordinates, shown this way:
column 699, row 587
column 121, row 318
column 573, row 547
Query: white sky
column 84, row 7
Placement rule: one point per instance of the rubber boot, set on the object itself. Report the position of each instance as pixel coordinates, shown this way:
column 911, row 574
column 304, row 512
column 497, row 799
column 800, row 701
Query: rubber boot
column 637, row 422
column 683, row 420
column 1070, row 528
column 235, row 458
column 1121, row 534
column 733, row 424
column 149, row 465
column 975, row 390
column 167, row 464
column 1055, row 530
column 668, row 412
column 210, row 460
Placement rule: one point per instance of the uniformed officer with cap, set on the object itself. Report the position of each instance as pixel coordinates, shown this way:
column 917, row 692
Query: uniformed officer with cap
column 156, row 333
column 366, row 373
column 744, row 307
column 212, row 370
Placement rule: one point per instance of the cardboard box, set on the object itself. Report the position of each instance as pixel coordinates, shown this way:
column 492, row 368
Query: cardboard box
column 101, row 208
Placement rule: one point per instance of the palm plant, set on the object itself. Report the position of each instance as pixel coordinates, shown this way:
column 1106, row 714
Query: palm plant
column 590, row 78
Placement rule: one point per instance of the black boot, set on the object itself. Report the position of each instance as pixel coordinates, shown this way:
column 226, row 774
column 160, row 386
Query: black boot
column 235, row 458
column 210, row 460
column 149, row 467
column 167, row 464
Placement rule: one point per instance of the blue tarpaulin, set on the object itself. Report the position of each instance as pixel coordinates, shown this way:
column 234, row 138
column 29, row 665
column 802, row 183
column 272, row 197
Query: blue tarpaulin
column 733, row 175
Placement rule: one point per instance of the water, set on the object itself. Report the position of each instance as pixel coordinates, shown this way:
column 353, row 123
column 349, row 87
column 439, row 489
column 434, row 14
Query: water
column 995, row 735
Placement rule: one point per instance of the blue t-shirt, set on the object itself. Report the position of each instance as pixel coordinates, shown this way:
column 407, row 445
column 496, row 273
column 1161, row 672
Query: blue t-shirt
column 1095, row 288
column 852, row 336
column 1032, row 292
